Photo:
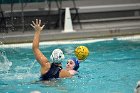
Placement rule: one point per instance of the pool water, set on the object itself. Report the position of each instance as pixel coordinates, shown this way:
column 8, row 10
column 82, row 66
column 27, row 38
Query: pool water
column 113, row 66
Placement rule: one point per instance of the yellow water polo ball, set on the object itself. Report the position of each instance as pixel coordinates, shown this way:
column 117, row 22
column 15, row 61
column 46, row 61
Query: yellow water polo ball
column 81, row 52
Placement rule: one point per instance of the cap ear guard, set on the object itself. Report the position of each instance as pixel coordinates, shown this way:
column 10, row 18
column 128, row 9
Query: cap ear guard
column 57, row 56
column 76, row 64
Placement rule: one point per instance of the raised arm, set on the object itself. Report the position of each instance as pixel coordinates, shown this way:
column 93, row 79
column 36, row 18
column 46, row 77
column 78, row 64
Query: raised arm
column 38, row 54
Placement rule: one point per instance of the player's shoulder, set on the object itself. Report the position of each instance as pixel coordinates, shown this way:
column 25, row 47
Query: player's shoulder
column 64, row 73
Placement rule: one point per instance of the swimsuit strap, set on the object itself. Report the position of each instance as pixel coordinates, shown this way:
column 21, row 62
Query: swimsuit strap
column 53, row 72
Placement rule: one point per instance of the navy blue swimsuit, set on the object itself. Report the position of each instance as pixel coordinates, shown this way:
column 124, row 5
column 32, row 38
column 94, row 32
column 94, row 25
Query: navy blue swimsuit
column 52, row 73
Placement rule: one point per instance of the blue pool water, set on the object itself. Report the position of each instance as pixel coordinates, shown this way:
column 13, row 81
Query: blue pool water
column 113, row 66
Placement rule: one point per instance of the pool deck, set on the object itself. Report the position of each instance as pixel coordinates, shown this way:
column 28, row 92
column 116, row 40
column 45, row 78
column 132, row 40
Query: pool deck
column 98, row 30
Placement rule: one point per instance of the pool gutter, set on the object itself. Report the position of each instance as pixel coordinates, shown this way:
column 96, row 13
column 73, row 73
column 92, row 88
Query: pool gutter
column 27, row 37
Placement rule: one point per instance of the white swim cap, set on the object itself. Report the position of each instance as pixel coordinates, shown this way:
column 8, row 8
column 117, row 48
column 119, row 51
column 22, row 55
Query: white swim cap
column 57, row 56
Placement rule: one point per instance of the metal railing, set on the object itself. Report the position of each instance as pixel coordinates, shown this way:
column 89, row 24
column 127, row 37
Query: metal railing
column 13, row 15
column 87, row 13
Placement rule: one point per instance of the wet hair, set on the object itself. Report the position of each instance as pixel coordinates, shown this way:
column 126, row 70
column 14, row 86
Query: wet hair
column 76, row 63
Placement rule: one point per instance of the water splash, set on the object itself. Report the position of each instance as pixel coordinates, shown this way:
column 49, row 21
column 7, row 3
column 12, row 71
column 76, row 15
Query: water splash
column 5, row 64
column 24, row 72
column 29, row 69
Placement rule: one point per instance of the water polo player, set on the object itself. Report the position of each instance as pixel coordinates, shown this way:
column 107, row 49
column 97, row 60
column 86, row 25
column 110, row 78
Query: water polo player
column 54, row 69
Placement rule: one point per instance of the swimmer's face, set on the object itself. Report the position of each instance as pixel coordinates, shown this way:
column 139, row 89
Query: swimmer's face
column 70, row 64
